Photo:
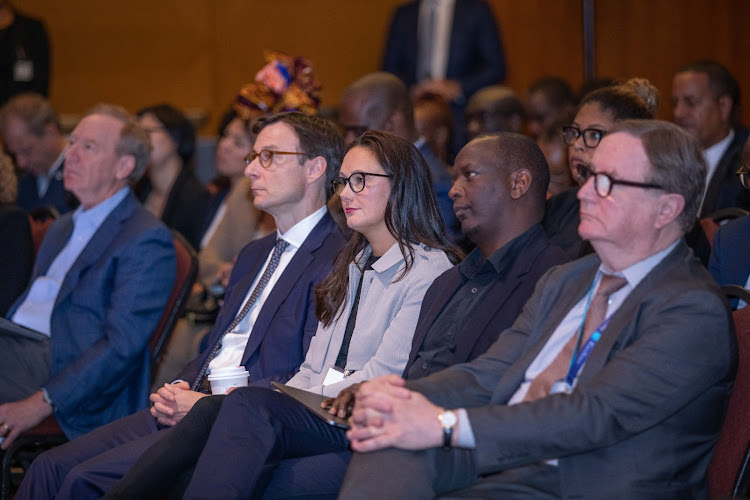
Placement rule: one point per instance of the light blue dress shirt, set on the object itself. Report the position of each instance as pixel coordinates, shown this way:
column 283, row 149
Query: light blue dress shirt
column 36, row 309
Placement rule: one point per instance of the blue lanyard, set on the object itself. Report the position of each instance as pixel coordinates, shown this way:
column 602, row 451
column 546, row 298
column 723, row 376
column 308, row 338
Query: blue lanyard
column 579, row 358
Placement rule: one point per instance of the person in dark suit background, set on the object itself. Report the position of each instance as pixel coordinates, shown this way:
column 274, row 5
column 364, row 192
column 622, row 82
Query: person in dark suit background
column 271, row 343
column 451, row 48
column 17, row 249
column 31, row 132
column 24, row 54
column 640, row 417
column 170, row 190
column 706, row 103
column 100, row 283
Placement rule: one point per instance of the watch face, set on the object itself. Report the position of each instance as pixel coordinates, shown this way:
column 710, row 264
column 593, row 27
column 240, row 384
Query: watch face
column 448, row 419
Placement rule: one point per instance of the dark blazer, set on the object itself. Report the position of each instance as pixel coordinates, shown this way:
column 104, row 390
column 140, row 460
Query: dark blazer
column 499, row 308
column 108, row 305
column 649, row 403
column 56, row 195
column 725, row 189
column 475, row 59
column 561, row 219
column 186, row 207
column 730, row 259
column 287, row 322
column 16, row 254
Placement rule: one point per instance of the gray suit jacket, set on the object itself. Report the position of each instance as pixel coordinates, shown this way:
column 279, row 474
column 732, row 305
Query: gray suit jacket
column 386, row 318
column 649, row 403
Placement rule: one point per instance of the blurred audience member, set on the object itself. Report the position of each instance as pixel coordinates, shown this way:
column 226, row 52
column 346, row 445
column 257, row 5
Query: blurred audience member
column 17, row 250
column 24, row 54
column 548, row 100
column 170, row 190
column 493, row 109
column 556, row 152
column 598, row 112
column 447, row 47
column 434, row 121
column 30, row 129
column 706, row 103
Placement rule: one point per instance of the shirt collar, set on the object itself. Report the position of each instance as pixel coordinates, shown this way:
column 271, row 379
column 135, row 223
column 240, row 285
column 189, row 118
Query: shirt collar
column 57, row 164
column 298, row 233
column 95, row 216
column 714, row 153
column 501, row 258
column 635, row 273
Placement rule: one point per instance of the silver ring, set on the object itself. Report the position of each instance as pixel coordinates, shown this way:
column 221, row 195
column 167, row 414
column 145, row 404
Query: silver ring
column 7, row 429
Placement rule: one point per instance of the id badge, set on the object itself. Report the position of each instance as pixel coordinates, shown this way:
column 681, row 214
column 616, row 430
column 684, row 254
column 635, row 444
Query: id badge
column 23, row 71
column 334, row 375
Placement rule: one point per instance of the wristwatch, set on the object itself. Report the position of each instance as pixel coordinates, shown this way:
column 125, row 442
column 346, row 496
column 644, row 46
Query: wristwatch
column 447, row 420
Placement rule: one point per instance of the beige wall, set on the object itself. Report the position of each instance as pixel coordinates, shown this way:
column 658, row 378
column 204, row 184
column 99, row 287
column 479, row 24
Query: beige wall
column 197, row 53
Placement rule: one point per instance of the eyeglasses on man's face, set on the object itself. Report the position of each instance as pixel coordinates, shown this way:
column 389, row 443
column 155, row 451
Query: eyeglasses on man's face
column 265, row 157
column 356, row 181
column 603, row 183
column 591, row 136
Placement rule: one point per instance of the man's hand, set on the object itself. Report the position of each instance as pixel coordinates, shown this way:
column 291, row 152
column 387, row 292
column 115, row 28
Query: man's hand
column 172, row 402
column 386, row 414
column 343, row 404
column 22, row 415
column 447, row 89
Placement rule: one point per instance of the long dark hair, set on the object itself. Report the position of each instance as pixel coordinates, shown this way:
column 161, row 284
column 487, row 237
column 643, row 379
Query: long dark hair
column 411, row 216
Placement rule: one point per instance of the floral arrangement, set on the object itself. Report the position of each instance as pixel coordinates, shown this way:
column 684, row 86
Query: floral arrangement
column 285, row 83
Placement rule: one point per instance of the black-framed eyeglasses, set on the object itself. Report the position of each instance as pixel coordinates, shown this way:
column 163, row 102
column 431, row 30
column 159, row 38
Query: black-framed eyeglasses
column 356, row 181
column 591, row 136
column 603, row 183
column 744, row 174
column 265, row 157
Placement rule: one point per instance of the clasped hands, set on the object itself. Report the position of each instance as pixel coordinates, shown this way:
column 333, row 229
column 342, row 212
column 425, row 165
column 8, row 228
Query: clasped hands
column 387, row 414
column 172, row 402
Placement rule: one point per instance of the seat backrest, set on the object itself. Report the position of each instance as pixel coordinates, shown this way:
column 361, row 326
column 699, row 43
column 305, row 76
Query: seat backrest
column 735, row 433
column 187, row 271
column 709, row 227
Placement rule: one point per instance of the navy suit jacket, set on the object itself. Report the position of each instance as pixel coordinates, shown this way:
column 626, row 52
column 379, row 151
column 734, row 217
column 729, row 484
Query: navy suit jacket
column 287, row 322
column 108, row 305
column 498, row 309
column 475, row 57
column 725, row 189
column 56, row 195
column 730, row 260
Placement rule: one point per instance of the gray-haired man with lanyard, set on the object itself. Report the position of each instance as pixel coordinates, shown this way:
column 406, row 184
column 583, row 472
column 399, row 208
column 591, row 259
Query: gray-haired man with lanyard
column 614, row 378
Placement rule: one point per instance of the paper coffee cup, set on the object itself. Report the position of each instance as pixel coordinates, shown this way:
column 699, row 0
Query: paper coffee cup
column 222, row 379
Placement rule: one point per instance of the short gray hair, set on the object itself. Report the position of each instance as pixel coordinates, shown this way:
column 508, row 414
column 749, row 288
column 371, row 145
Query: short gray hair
column 676, row 160
column 133, row 141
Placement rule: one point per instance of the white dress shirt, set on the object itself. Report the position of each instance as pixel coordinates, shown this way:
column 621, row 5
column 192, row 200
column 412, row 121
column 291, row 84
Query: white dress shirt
column 233, row 344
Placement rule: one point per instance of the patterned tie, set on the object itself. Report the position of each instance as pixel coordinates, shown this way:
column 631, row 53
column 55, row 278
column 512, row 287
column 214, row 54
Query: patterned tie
column 272, row 265
column 558, row 368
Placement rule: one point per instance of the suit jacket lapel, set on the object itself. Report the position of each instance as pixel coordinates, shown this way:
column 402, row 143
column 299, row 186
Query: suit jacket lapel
column 621, row 320
column 287, row 282
column 98, row 244
column 448, row 288
column 556, row 306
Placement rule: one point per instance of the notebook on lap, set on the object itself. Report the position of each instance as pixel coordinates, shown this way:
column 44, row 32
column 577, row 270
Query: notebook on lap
column 312, row 402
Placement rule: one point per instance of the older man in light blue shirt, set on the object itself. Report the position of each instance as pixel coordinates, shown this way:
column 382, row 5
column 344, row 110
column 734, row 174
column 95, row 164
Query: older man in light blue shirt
column 101, row 280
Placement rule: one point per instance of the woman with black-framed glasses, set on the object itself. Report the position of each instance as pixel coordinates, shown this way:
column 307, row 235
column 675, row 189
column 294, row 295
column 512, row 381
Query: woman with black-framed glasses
column 597, row 113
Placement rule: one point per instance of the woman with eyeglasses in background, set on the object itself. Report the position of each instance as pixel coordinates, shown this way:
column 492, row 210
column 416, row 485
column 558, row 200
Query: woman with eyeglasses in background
column 597, row 113
column 368, row 308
